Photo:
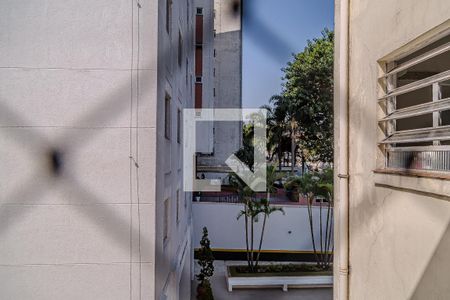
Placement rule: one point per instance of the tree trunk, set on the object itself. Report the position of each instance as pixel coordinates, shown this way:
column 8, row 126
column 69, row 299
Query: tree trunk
column 321, row 233
column 303, row 163
column 280, row 157
column 261, row 241
column 292, row 151
column 246, row 234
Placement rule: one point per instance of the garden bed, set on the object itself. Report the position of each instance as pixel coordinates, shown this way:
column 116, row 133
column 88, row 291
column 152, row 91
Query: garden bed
column 279, row 275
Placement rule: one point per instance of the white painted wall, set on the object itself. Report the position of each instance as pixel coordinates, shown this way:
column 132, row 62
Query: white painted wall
column 88, row 78
column 226, row 232
column 399, row 225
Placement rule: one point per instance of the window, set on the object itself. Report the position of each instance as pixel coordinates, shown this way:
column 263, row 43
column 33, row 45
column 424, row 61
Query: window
column 167, row 116
column 198, row 61
column 168, row 15
column 416, row 109
column 215, row 53
column 166, row 220
column 178, row 206
column 214, row 92
column 190, row 85
column 179, row 126
column 180, row 49
column 187, row 72
column 199, row 11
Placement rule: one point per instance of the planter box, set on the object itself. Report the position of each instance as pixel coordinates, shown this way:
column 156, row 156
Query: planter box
column 303, row 281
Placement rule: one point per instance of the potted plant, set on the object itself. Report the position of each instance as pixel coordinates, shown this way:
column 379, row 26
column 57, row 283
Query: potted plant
column 317, row 274
column 205, row 260
column 197, row 196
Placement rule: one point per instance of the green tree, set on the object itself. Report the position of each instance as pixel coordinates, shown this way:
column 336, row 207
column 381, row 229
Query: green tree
column 206, row 262
column 308, row 90
column 279, row 137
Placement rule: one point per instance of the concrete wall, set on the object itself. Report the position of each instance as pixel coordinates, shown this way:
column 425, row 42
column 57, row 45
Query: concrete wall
column 227, row 81
column 173, row 252
column 226, row 232
column 399, row 225
column 205, row 138
column 85, row 166
column 69, row 73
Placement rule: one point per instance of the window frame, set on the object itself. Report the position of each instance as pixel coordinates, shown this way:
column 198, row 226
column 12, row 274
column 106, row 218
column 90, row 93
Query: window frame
column 178, row 219
column 167, row 116
column 166, row 221
column 179, row 122
column 427, row 159
column 180, row 49
column 169, row 8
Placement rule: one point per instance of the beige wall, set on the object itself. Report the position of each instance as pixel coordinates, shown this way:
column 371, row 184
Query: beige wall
column 398, row 235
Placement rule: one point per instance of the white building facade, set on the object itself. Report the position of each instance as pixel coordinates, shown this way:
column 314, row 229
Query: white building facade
column 222, row 62
column 91, row 101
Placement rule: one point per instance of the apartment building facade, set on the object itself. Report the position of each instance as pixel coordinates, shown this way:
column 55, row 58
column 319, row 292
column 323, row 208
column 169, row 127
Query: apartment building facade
column 91, row 102
column 392, row 133
column 219, row 84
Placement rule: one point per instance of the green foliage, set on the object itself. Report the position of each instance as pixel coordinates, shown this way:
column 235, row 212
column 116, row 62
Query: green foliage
column 305, row 106
column 252, row 210
column 309, row 84
column 205, row 259
column 245, row 153
column 272, row 176
column 312, row 184
column 277, row 268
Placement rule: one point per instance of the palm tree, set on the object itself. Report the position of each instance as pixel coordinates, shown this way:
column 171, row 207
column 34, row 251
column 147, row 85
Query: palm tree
column 244, row 194
column 285, row 117
column 252, row 210
column 320, row 184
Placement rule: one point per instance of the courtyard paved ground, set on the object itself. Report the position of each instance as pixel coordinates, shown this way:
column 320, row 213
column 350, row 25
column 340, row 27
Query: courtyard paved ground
column 221, row 292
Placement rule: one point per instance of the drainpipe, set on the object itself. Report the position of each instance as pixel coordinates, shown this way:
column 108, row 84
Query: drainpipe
column 341, row 133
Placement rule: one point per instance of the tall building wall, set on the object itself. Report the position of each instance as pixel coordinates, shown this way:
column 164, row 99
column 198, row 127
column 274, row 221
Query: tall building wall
column 228, row 80
column 399, row 224
column 85, row 165
column 226, row 74
column 204, row 10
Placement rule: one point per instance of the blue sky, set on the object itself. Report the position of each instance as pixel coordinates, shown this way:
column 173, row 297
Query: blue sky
column 272, row 31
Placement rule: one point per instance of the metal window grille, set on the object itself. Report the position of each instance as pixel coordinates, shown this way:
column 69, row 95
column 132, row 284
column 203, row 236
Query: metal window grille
column 416, row 109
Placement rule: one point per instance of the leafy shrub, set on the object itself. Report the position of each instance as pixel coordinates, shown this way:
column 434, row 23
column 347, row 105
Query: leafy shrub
column 206, row 262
